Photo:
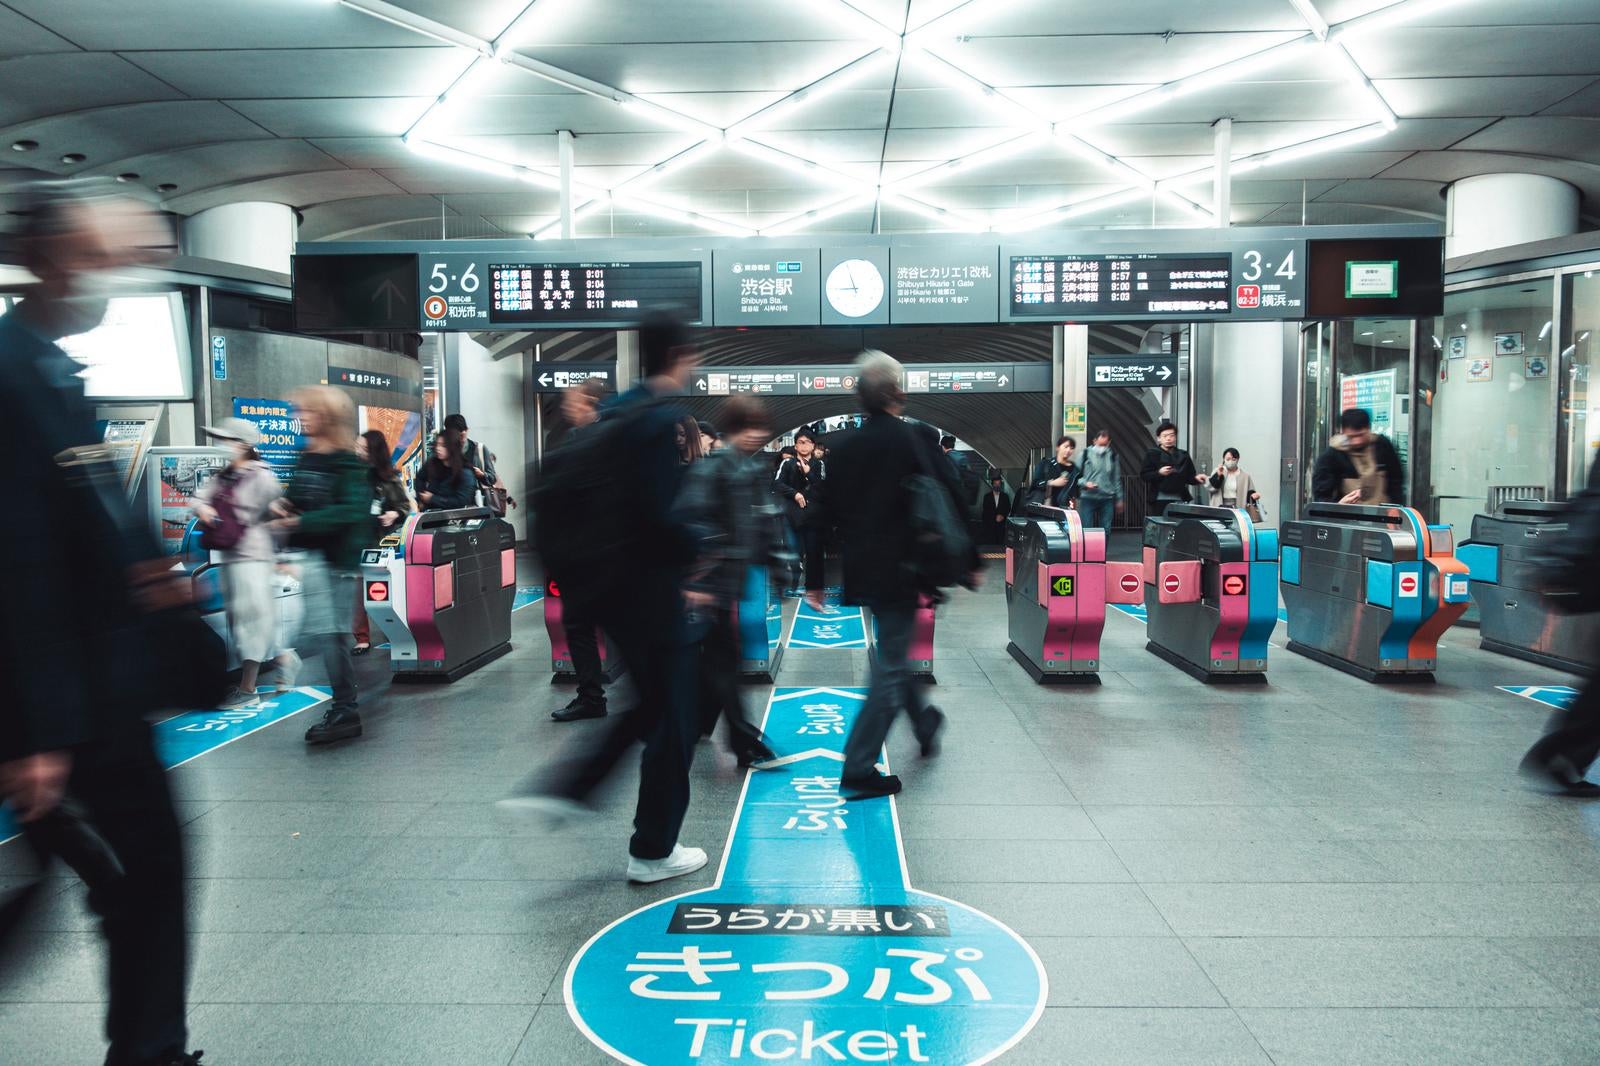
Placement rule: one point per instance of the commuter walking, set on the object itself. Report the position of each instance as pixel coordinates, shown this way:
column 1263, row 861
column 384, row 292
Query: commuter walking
column 1359, row 466
column 479, row 462
column 1169, row 474
column 686, row 435
column 445, row 483
column 726, row 503
column 868, row 485
column 75, row 750
column 1100, row 483
column 996, row 509
column 611, row 498
column 390, row 505
column 234, row 507
column 1231, row 486
column 580, row 408
column 798, row 487
column 327, row 511
column 1055, row 478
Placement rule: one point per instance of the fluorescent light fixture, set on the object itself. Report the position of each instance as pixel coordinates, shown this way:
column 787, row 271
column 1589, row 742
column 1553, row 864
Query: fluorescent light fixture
column 1308, row 11
column 823, row 87
column 1062, row 212
column 455, row 156
column 408, row 20
column 852, row 18
column 1543, row 333
column 1368, row 333
column 820, row 214
column 1234, row 70
column 796, row 165
column 1363, row 85
column 952, row 219
column 981, row 92
column 982, row 156
column 1305, row 149
column 1388, row 17
column 669, row 117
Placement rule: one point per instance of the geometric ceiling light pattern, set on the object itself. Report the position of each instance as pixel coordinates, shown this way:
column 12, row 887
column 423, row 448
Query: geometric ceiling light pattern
column 1020, row 125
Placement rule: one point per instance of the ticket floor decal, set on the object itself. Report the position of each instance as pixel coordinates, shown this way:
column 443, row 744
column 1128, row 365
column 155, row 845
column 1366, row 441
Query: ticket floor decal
column 831, row 627
column 1557, row 696
column 811, row 946
column 527, row 596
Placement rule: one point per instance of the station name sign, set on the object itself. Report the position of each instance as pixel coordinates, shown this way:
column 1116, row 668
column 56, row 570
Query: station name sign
column 1260, row 274
column 921, row 379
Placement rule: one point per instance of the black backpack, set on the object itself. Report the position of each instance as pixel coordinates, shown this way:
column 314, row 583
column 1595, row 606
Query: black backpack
column 941, row 547
column 580, row 501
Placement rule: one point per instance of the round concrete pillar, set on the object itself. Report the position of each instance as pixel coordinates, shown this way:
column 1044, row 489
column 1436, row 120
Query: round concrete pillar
column 258, row 235
column 1499, row 210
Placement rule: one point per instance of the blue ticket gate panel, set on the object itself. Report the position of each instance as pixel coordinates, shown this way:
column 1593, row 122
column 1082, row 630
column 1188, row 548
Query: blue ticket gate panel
column 758, row 619
column 441, row 590
column 1370, row 589
column 1210, row 591
column 1514, row 616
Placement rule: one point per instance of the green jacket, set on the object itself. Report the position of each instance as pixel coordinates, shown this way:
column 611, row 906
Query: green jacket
column 333, row 495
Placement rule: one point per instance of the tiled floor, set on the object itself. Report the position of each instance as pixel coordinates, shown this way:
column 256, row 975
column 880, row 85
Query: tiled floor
column 1318, row 871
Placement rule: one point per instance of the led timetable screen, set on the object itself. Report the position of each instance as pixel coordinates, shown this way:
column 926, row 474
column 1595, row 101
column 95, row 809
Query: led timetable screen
column 1054, row 286
column 552, row 293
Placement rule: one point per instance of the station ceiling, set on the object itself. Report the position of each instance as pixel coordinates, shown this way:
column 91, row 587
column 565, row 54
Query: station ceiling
column 760, row 116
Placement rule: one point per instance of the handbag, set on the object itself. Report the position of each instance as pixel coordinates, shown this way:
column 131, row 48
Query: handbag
column 226, row 533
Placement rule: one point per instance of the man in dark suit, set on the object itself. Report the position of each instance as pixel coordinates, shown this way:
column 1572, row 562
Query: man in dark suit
column 85, row 578
column 875, row 539
column 580, row 407
column 996, row 509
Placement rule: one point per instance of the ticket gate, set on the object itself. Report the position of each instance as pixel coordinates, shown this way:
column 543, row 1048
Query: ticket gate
column 441, row 590
column 919, row 657
column 1210, row 592
column 1514, row 616
column 758, row 619
column 562, row 670
column 1370, row 589
column 1057, row 586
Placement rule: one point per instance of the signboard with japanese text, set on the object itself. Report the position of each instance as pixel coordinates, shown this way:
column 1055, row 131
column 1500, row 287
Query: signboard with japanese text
column 172, row 476
column 998, row 378
column 760, row 381
column 594, row 292
column 454, row 292
column 773, row 287
column 920, row 378
column 1374, row 394
column 351, row 378
column 559, row 377
column 936, row 285
column 281, row 438
column 1123, row 372
column 810, row 945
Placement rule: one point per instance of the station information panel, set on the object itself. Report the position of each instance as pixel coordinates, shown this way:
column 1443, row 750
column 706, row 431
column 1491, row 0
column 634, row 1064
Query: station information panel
column 566, row 293
column 1054, row 285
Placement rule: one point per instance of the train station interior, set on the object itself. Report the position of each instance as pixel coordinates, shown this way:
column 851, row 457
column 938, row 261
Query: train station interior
column 1239, row 763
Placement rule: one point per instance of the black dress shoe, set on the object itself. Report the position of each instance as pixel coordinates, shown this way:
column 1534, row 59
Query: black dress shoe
column 872, row 785
column 929, row 737
column 578, row 710
column 335, row 725
column 753, row 752
column 1559, row 771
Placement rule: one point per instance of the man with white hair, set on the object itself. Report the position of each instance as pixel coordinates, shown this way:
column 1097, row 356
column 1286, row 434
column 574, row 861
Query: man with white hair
column 866, row 474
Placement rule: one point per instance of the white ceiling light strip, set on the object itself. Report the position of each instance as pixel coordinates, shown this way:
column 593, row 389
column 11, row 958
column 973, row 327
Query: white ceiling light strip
column 1308, row 11
column 1063, row 212
column 1386, row 18
column 410, row 20
column 810, row 218
column 1363, row 85
column 1244, row 164
column 951, row 220
column 825, row 86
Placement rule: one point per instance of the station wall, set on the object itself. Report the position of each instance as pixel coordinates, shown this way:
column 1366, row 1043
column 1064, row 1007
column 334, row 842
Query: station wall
column 490, row 395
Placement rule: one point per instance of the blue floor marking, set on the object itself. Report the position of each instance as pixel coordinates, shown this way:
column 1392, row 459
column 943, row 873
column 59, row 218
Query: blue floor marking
column 1557, row 696
column 811, row 944
column 185, row 737
column 1133, row 610
column 833, row 627
column 527, row 596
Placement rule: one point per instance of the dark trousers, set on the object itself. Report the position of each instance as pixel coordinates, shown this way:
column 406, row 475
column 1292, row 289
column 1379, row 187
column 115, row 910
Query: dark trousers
column 719, row 683
column 891, row 689
column 809, row 541
column 1575, row 731
column 118, row 794
column 647, row 631
column 584, row 645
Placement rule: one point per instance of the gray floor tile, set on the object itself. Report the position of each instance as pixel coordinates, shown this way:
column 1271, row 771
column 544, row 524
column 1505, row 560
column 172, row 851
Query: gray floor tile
column 1463, row 1037
column 1087, row 1036
column 1542, row 860
column 1526, row 910
column 1309, row 910
column 1156, row 822
column 554, row 1038
column 52, row 1032
column 1570, row 963
column 1061, row 910
column 1124, row 972
column 316, row 1034
column 1019, row 862
column 329, row 817
column 998, row 822
column 1247, row 860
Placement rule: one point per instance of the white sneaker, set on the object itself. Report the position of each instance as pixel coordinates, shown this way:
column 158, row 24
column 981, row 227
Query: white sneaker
column 288, row 671
column 238, row 700
column 682, row 861
column 552, row 813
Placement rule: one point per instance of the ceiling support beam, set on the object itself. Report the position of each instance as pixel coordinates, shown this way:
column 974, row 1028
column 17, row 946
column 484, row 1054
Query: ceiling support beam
column 564, row 158
column 1222, row 179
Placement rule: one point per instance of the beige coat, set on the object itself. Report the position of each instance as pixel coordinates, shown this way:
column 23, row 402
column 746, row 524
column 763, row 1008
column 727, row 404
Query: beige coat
column 1246, row 487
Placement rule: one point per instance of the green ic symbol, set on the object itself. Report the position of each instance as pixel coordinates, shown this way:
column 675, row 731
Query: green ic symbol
column 1061, row 586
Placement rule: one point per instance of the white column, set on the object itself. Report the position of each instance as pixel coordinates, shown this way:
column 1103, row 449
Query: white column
column 1245, row 367
column 1222, row 185
column 1074, row 364
column 627, row 358
column 1499, row 210
column 260, row 235
column 564, row 158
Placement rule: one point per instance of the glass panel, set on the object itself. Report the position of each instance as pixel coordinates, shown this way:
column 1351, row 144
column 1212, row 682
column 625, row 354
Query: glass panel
column 1492, row 429
column 1580, row 408
column 1318, row 416
column 1374, row 361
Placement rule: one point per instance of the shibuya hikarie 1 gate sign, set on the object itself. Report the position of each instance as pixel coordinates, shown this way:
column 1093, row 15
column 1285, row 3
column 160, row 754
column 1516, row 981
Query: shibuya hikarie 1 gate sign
column 1260, row 274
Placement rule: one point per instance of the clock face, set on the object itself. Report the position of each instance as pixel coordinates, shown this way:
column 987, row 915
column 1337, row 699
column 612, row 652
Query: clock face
column 855, row 288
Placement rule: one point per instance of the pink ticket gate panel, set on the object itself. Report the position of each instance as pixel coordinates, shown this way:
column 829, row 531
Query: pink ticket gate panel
column 1057, row 587
column 919, row 658
column 562, row 669
column 441, row 590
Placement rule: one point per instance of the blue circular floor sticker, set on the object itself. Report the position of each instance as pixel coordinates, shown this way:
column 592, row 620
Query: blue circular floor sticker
column 811, row 947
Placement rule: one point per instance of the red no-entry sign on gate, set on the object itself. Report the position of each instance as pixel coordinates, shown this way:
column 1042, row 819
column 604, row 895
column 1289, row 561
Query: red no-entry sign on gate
column 1233, row 585
column 1171, row 583
column 377, row 591
column 1129, row 583
column 1408, row 584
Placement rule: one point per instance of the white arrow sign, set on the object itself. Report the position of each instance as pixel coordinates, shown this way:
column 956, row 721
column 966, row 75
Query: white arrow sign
column 1003, row 382
column 544, row 379
column 1166, row 372
column 700, row 383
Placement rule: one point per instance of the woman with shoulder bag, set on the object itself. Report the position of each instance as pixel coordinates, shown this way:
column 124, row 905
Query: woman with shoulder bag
column 1230, row 486
column 234, row 508
column 390, row 505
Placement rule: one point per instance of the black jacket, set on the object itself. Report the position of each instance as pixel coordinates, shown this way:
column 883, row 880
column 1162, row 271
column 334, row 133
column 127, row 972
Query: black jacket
column 868, row 505
column 792, row 479
column 1047, row 470
column 1177, row 485
column 992, row 507
column 1335, row 467
column 449, row 491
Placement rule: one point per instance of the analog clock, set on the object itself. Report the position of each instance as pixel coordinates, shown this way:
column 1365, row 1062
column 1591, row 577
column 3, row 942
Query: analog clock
column 855, row 288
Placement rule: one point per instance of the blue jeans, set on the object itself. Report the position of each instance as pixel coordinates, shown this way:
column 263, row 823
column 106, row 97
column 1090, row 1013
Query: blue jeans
column 1096, row 511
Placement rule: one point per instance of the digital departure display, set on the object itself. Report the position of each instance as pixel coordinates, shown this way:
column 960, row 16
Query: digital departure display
column 1055, row 286
column 553, row 293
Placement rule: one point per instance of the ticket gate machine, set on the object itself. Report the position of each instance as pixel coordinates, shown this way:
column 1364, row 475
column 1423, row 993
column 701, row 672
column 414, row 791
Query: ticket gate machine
column 919, row 656
column 562, row 670
column 1370, row 589
column 758, row 619
column 1057, row 586
column 441, row 590
column 1514, row 616
column 1210, row 591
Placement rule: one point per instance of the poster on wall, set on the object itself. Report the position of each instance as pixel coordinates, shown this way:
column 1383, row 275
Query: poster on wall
column 281, row 439
column 1444, row 372
column 1508, row 344
column 1535, row 366
column 128, row 439
column 403, row 431
column 1373, row 393
column 1458, row 347
column 1480, row 369
column 173, row 475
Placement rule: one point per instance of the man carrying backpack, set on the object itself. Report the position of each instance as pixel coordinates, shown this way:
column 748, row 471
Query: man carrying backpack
column 881, row 477
column 606, row 528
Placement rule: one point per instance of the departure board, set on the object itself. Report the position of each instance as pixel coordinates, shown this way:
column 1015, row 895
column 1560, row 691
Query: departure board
column 1064, row 286
column 556, row 293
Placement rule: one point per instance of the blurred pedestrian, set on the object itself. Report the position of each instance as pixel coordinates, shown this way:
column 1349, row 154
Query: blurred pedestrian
column 96, row 633
column 390, row 505
column 1231, row 486
column 445, row 483
column 1359, row 466
column 608, row 533
column 327, row 511
column 726, row 503
column 799, row 488
column 1099, row 483
column 874, row 520
column 580, row 408
column 234, row 508
column 1055, row 477
column 1169, row 474
column 710, row 439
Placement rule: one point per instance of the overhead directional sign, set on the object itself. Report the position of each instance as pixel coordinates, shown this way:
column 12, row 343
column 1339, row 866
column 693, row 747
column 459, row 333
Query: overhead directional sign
column 1133, row 371
column 823, row 380
column 558, row 377
column 810, row 946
